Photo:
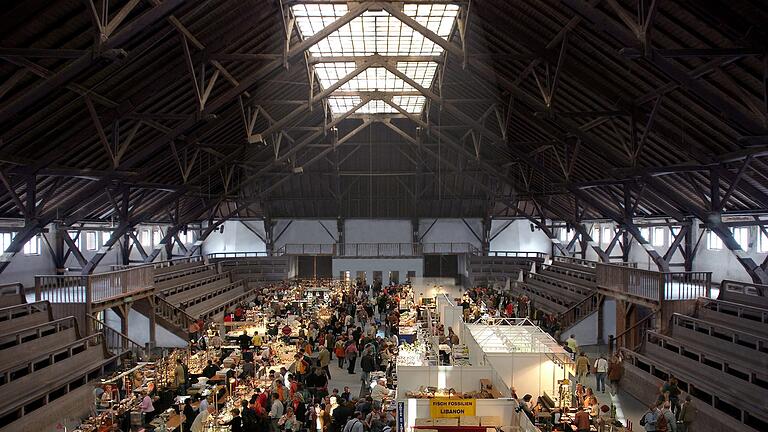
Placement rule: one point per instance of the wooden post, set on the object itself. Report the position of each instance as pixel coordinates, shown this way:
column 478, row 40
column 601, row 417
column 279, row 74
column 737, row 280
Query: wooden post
column 152, row 321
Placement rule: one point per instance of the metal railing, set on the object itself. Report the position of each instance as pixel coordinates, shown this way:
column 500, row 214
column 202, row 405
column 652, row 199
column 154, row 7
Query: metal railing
column 654, row 286
column 117, row 343
column 378, row 249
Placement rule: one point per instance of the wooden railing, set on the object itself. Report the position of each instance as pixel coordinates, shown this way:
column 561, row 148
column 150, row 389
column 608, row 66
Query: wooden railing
column 517, row 254
column 50, row 358
column 588, row 263
column 740, row 310
column 162, row 264
column 95, row 288
column 654, row 286
column 173, row 274
column 12, row 294
column 117, row 343
column 578, row 311
column 35, row 332
column 173, row 314
column 11, row 312
column 744, row 292
column 220, row 255
column 632, row 337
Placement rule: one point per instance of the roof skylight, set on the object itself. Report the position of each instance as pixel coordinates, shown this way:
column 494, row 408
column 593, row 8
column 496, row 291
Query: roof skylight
column 376, row 32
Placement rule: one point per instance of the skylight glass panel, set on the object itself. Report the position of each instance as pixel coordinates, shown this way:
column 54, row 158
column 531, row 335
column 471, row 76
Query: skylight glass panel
column 421, row 72
column 377, row 106
column 342, row 104
column 329, row 73
column 376, row 79
column 412, row 104
column 375, row 32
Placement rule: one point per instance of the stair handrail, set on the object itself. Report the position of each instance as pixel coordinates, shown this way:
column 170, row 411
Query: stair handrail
column 613, row 341
column 125, row 344
column 571, row 315
column 180, row 315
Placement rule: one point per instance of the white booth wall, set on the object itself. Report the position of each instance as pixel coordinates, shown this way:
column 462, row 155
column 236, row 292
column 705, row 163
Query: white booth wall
column 527, row 373
column 427, row 287
column 460, row 378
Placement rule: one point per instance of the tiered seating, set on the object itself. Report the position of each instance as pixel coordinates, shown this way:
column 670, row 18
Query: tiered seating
column 199, row 290
column 552, row 293
column 497, row 269
column 255, row 269
column 42, row 360
column 720, row 356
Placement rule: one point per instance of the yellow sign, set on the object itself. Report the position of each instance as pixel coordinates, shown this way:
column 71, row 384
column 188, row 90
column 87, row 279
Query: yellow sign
column 444, row 407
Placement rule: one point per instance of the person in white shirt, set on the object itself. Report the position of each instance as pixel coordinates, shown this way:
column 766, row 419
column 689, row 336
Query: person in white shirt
column 201, row 419
column 275, row 412
column 203, row 405
column 601, row 370
column 379, row 392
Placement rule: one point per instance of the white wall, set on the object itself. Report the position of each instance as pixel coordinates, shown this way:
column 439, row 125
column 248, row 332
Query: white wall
column 585, row 331
column 302, row 231
column 138, row 330
column 377, row 231
column 460, row 378
column 518, row 237
column 527, row 373
column 23, row 268
column 451, row 231
column 609, row 319
column 369, row 265
column 236, row 238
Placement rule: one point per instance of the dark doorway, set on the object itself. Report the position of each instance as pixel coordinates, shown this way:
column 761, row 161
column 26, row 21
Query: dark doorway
column 441, row 265
column 315, row 267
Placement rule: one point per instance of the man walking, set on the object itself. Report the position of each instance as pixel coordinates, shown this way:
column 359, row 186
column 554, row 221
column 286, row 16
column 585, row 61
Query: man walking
column 601, row 370
column 649, row 419
column 275, row 413
column 582, row 367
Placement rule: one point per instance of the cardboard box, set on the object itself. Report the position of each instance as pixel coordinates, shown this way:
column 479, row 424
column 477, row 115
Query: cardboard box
column 423, row 422
column 490, row 421
column 445, row 422
column 469, row 421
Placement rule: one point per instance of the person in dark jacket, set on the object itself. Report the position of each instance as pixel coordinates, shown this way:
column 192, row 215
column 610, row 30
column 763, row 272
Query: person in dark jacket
column 189, row 414
column 236, row 424
column 368, row 365
column 210, row 370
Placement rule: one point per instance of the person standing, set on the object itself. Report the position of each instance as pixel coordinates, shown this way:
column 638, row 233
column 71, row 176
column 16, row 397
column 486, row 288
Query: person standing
column 146, row 407
column 582, row 367
column 275, row 413
column 601, row 370
column 355, row 424
column 324, row 358
column 351, row 353
column 687, row 415
column 615, row 371
column 581, row 420
column 368, row 365
column 201, row 419
column 179, row 378
column 671, row 421
column 650, row 418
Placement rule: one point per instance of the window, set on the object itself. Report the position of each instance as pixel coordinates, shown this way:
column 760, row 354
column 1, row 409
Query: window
column 157, row 235
column 658, row 236
column 105, row 236
column 90, row 240
column 566, row 235
column 713, row 241
column 645, row 233
column 33, row 246
column 5, row 240
column 762, row 241
column 145, row 238
column 375, row 32
column 607, row 235
column 594, row 232
column 741, row 235
column 182, row 237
